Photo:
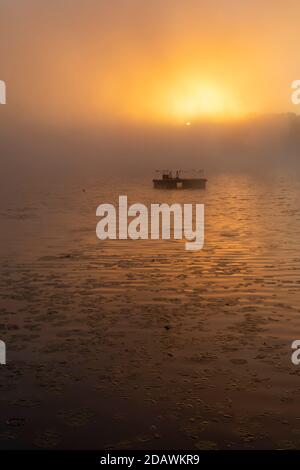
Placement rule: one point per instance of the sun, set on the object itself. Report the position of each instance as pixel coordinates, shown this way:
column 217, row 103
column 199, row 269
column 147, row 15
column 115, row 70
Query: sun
column 197, row 100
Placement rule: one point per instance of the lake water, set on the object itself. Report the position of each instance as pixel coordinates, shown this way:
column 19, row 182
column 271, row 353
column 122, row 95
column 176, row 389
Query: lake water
column 142, row 344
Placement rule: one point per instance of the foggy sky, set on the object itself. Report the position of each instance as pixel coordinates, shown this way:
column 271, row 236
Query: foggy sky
column 102, row 80
column 91, row 61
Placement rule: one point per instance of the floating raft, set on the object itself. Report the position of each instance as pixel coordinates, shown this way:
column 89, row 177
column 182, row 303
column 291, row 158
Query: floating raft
column 167, row 181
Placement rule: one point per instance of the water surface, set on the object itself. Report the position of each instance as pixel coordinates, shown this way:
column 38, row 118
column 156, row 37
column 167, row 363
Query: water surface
column 142, row 344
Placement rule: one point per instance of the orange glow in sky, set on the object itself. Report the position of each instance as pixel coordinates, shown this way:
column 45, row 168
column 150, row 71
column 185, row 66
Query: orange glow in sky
column 157, row 62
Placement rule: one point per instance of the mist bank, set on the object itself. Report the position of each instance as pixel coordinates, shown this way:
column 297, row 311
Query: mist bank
column 259, row 143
